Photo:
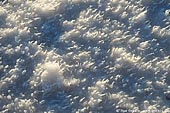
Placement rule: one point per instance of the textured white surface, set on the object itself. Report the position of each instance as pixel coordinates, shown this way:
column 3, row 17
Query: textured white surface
column 65, row 56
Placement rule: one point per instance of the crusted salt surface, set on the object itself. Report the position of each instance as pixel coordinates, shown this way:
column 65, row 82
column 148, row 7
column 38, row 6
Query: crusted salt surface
column 84, row 56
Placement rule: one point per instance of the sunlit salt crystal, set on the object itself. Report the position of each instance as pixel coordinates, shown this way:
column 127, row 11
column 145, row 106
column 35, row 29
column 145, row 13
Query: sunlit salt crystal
column 167, row 12
column 141, row 17
column 3, row 12
column 144, row 45
column 9, row 97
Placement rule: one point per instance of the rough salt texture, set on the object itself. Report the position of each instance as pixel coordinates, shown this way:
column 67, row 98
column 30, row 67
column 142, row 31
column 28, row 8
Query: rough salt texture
column 81, row 56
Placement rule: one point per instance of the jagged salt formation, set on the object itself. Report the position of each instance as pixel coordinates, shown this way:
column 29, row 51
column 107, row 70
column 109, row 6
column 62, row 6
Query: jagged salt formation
column 84, row 56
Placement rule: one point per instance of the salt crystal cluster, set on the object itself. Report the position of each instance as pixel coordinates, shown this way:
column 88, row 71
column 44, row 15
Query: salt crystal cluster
column 80, row 56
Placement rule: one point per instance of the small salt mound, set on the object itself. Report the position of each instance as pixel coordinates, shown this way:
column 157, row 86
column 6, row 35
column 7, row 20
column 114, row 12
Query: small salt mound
column 141, row 17
column 160, row 32
column 144, row 45
column 3, row 12
column 22, row 105
column 52, row 74
column 96, row 92
column 46, row 7
column 15, row 2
